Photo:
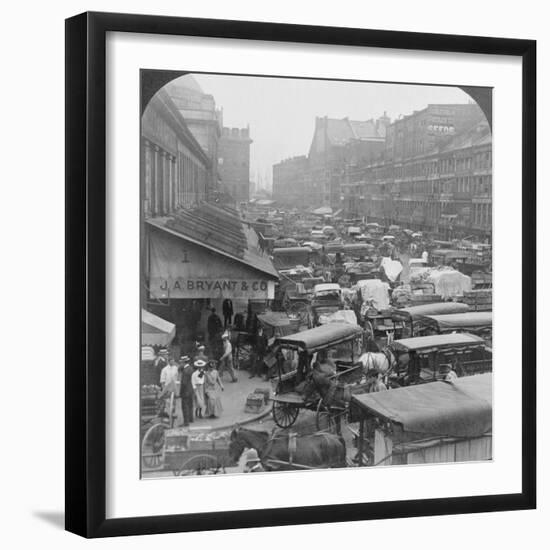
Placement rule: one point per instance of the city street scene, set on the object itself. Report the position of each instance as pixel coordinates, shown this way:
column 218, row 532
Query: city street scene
column 316, row 275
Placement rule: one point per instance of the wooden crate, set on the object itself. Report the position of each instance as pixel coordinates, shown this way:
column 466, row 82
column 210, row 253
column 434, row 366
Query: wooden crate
column 177, row 438
column 266, row 392
column 254, row 403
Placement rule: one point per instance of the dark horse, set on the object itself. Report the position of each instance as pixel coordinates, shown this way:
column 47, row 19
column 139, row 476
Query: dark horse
column 318, row 450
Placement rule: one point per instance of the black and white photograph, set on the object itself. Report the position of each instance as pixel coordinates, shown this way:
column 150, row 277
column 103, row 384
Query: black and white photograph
column 316, row 274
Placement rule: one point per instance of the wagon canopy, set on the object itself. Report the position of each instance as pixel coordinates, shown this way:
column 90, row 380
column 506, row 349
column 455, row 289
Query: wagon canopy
column 358, row 249
column 438, row 342
column 471, row 321
column 450, row 254
column 413, row 313
column 462, row 408
column 322, row 337
column 291, row 256
column 274, row 319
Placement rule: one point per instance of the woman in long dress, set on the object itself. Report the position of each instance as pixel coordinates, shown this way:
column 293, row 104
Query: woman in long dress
column 197, row 380
column 212, row 382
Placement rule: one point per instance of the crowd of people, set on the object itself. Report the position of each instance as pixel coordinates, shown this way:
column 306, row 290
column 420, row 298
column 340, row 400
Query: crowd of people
column 199, row 384
column 197, row 378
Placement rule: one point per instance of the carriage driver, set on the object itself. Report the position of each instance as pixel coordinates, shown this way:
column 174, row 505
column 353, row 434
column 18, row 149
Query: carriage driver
column 252, row 461
column 446, row 373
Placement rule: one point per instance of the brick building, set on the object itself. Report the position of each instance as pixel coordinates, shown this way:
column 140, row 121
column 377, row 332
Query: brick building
column 289, row 181
column 337, row 145
column 435, row 174
column 234, row 162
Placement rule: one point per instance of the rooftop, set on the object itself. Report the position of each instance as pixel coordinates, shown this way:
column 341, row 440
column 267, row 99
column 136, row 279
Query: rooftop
column 341, row 131
column 220, row 229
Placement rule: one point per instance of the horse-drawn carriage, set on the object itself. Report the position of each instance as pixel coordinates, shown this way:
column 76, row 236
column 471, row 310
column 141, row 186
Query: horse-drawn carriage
column 435, row 422
column 294, row 371
column 473, row 322
column 412, row 316
column 375, row 313
column 326, row 299
column 419, row 360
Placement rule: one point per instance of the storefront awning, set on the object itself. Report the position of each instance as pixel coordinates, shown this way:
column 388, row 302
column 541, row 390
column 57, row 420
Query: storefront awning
column 156, row 331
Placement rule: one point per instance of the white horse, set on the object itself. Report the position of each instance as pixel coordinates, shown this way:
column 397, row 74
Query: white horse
column 384, row 361
column 379, row 361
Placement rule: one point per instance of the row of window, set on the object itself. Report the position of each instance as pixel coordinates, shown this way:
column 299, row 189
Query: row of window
column 479, row 161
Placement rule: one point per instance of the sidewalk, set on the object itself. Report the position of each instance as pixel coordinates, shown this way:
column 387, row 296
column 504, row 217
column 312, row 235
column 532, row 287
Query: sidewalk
column 233, row 402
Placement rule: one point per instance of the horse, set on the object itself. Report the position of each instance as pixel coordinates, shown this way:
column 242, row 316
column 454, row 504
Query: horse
column 384, row 361
column 318, row 450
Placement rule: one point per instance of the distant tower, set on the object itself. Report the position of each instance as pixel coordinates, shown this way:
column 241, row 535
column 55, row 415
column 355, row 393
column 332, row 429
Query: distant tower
column 234, row 162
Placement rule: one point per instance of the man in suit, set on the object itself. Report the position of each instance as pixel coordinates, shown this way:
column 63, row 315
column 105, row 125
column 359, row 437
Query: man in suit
column 227, row 310
column 186, row 390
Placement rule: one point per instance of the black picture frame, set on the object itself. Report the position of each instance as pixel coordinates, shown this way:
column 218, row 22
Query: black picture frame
column 86, row 273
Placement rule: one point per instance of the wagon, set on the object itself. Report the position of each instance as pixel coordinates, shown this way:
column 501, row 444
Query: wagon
column 178, row 451
column 466, row 261
column 185, row 456
column 345, row 339
column 290, row 257
column 435, row 422
column 412, row 316
column 277, row 324
column 474, row 322
column 422, row 357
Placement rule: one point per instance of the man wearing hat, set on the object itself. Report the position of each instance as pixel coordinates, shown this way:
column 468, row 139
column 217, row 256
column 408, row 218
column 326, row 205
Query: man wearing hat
column 252, row 461
column 226, row 360
column 186, row 389
column 161, row 361
column 201, row 353
column 446, row 373
column 169, row 378
column 376, row 381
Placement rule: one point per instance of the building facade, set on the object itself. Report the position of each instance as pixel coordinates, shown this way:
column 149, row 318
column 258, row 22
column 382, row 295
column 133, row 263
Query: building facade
column 439, row 179
column 175, row 171
column 289, row 181
column 195, row 252
column 431, row 170
column 201, row 117
column 337, row 145
column 234, row 162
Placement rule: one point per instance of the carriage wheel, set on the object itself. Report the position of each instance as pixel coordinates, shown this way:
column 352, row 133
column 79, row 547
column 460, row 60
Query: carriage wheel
column 201, row 465
column 152, row 447
column 284, row 414
column 324, row 419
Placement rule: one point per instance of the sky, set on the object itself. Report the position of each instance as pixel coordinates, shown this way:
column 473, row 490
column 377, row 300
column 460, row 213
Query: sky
column 281, row 111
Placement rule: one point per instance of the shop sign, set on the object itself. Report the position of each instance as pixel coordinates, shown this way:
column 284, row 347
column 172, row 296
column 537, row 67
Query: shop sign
column 204, row 287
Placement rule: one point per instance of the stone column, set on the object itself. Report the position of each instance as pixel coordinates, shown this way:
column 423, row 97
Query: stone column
column 155, row 181
column 161, row 182
column 173, row 181
column 146, row 177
